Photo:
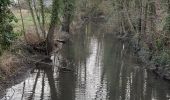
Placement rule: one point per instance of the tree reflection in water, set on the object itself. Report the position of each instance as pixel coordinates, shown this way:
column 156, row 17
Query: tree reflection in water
column 102, row 69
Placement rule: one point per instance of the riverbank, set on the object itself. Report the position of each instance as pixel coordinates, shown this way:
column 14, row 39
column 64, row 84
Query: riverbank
column 28, row 49
column 13, row 66
column 163, row 71
column 22, row 57
column 157, row 62
column 13, row 62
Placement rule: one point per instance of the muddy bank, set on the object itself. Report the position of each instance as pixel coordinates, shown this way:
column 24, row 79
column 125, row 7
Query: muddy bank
column 11, row 64
column 22, row 57
column 22, row 72
column 13, row 67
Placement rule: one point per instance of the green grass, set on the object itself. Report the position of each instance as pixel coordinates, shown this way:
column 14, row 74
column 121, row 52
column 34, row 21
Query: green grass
column 28, row 22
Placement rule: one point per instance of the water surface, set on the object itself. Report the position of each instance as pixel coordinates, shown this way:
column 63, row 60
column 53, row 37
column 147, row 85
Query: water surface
column 101, row 69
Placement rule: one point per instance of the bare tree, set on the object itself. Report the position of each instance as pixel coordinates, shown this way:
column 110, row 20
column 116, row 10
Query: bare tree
column 33, row 17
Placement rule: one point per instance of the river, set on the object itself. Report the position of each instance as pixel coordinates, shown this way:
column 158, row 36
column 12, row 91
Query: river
column 100, row 68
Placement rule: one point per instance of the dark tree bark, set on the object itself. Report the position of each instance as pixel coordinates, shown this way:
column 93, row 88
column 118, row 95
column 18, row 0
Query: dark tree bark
column 68, row 15
column 43, row 17
column 53, row 24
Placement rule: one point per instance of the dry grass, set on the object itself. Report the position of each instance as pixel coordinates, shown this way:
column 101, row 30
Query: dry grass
column 9, row 63
column 32, row 37
column 106, row 6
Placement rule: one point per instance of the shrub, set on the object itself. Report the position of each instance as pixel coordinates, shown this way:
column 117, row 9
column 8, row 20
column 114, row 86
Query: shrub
column 6, row 30
column 162, row 58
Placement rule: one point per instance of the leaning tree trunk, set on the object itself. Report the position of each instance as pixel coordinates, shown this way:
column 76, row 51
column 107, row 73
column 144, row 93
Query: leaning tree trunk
column 23, row 26
column 50, row 38
column 144, row 17
column 66, row 24
column 33, row 17
column 53, row 24
column 43, row 17
column 68, row 14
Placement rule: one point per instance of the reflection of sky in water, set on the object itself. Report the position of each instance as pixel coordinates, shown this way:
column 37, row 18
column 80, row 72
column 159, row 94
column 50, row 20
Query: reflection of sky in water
column 24, row 90
column 94, row 87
